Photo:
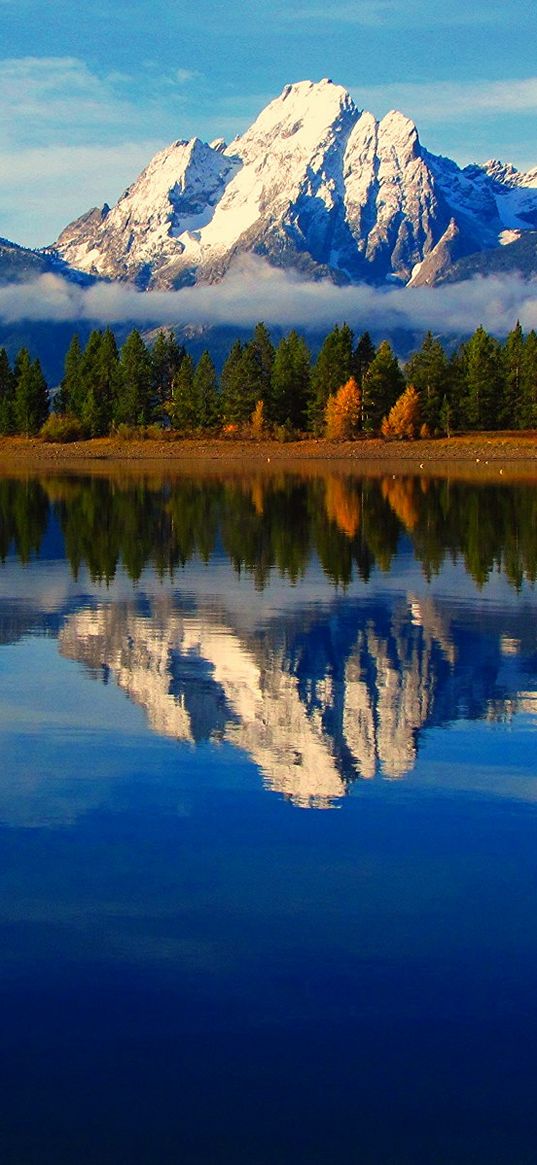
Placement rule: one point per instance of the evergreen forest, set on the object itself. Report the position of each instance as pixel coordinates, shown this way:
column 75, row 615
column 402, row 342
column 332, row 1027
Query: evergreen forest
column 351, row 387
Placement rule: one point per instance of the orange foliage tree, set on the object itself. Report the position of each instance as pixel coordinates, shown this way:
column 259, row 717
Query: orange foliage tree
column 342, row 412
column 403, row 419
column 257, row 419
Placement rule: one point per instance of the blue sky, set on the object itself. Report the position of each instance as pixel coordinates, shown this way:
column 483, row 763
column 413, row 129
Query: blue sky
column 90, row 92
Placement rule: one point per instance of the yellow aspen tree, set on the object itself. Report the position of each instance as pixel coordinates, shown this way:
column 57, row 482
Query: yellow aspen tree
column 342, row 412
column 403, row 420
column 257, row 420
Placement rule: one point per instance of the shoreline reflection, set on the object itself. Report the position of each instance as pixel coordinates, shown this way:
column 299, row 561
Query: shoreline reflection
column 318, row 694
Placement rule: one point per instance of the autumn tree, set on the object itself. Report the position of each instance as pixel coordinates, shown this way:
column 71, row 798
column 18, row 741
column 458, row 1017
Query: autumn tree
column 257, row 420
column 404, row 418
column 343, row 412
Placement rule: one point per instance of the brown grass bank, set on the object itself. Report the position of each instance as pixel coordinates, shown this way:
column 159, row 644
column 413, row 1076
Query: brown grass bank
column 477, row 455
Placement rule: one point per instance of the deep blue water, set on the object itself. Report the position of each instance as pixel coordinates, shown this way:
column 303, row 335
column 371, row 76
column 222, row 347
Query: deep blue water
column 268, row 827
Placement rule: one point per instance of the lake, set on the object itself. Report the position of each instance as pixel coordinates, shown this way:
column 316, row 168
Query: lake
column 268, row 820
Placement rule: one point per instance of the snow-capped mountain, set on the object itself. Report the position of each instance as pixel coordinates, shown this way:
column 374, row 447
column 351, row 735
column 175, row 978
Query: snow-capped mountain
column 314, row 184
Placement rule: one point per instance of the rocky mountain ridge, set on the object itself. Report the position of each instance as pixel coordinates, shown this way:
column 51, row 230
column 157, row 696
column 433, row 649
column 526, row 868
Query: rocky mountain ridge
column 316, row 185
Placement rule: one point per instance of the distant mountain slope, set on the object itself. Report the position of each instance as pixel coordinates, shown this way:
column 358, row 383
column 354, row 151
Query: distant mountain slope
column 19, row 263
column 518, row 257
column 314, row 184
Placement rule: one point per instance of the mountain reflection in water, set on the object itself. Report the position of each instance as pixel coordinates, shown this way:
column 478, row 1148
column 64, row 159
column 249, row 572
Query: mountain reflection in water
column 319, row 692
column 337, row 697
column 194, row 969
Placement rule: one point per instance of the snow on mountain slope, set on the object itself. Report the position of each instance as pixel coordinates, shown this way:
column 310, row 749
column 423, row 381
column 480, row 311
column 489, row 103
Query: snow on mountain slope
column 167, row 204
column 314, row 184
column 515, row 192
column 393, row 208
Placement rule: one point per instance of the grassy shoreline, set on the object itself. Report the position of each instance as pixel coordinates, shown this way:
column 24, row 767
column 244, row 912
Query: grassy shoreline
column 478, row 454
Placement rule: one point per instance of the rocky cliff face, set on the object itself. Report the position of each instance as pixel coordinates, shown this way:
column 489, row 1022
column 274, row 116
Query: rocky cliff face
column 314, row 184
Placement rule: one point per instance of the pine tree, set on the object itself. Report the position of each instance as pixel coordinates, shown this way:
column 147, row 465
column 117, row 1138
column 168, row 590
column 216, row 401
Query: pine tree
column 445, row 417
column 166, row 358
column 334, row 366
column 457, row 390
column 483, row 399
column 264, row 350
column 527, row 412
column 206, row 401
column 133, row 402
column 404, row 418
column 234, row 410
column 246, row 376
column 69, row 398
column 31, row 402
column 291, row 381
column 102, row 381
column 7, row 392
column 182, row 406
column 383, row 384
column 251, row 379
column 428, row 371
column 80, row 374
column 363, row 356
column 511, row 413
column 343, row 411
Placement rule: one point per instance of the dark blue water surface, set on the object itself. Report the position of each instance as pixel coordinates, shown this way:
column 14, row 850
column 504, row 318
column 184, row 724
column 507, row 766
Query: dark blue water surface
column 268, row 828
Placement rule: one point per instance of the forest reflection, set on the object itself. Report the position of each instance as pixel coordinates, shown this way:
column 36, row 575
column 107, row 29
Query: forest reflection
column 274, row 524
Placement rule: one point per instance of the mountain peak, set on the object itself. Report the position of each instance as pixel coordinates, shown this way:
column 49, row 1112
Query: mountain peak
column 315, row 104
column 313, row 184
column 399, row 126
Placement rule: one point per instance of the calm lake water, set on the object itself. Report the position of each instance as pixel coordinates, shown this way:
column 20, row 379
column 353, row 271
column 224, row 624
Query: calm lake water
column 268, row 822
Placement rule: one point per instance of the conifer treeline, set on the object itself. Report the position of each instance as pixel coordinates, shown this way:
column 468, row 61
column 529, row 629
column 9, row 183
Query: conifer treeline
column 24, row 398
column 351, row 387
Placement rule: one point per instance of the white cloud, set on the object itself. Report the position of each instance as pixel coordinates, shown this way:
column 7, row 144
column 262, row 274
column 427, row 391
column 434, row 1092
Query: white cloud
column 61, row 100
column 59, row 93
column 183, row 76
column 253, row 291
column 75, row 162
column 399, row 13
column 446, row 101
